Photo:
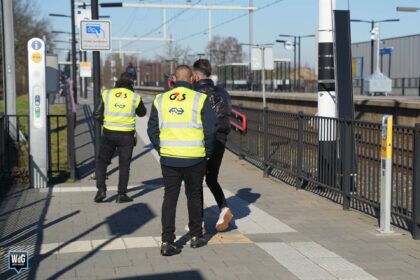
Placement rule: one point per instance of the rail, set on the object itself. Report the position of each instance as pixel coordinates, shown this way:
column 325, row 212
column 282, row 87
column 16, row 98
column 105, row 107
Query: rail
column 237, row 116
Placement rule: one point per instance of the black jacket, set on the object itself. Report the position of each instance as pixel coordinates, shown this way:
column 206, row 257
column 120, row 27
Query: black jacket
column 208, row 119
column 98, row 113
column 221, row 104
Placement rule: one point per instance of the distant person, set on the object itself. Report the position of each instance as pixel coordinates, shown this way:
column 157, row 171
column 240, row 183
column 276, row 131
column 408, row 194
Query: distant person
column 131, row 70
column 221, row 105
column 181, row 129
column 117, row 112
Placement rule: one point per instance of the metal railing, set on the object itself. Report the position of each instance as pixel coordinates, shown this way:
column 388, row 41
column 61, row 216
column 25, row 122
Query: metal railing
column 15, row 150
column 345, row 166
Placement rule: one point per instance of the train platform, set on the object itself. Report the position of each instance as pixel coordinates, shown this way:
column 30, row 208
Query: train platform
column 277, row 233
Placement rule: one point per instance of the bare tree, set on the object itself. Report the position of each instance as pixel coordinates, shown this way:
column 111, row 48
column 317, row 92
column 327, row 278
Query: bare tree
column 27, row 25
column 224, row 50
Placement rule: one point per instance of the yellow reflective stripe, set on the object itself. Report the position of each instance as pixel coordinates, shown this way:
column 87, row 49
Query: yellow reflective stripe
column 181, row 125
column 175, row 143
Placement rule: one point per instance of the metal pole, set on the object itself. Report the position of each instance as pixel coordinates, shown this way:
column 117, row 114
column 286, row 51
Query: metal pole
column 85, row 87
column 299, row 63
column 9, row 67
column 327, row 106
column 263, row 75
column 96, row 80
column 389, row 66
column 164, row 22
column 121, row 54
column 416, row 183
column 294, row 64
column 81, row 78
column 209, row 32
column 251, row 30
column 372, row 44
column 73, row 51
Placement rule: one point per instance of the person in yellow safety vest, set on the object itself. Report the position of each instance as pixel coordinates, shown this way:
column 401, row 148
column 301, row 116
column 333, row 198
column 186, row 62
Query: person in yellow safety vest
column 117, row 112
column 181, row 128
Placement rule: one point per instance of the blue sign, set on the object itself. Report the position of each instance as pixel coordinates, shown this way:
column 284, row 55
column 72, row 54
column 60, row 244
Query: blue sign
column 36, row 45
column 93, row 29
column 386, row 51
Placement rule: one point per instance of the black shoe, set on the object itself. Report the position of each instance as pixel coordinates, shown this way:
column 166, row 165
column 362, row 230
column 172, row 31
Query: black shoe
column 100, row 195
column 197, row 242
column 169, row 249
column 122, row 198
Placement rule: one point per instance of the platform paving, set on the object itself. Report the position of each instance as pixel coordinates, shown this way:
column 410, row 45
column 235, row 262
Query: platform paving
column 278, row 232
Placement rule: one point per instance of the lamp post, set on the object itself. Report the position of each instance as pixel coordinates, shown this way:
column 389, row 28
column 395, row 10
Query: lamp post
column 407, row 9
column 372, row 41
column 297, row 42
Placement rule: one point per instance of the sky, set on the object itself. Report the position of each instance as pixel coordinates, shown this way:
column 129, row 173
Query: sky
column 295, row 17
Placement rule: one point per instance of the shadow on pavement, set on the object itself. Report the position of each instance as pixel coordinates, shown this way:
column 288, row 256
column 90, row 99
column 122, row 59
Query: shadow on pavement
column 239, row 205
column 138, row 215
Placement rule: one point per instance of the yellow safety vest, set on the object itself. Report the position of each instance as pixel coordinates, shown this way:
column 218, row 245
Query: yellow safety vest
column 181, row 129
column 120, row 109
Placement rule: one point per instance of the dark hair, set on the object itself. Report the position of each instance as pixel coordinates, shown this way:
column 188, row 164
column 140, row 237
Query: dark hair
column 125, row 81
column 203, row 65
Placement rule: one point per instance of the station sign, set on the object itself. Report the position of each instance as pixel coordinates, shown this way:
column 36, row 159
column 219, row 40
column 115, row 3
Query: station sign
column 257, row 58
column 386, row 51
column 95, row 35
column 85, row 69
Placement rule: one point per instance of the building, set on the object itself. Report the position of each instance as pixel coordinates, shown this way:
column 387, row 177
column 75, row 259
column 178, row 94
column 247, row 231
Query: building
column 400, row 62
column 403, row 62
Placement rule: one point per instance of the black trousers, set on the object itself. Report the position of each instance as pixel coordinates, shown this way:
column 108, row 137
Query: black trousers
column 193, row 178
column 212, row 174
column 124, row 143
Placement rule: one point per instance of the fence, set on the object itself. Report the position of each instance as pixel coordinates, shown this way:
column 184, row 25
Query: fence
column 400, row 86
column 344, row 166
column 14, row 145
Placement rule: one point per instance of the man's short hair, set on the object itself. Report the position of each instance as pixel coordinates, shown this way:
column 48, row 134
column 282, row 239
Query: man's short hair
column 125, row 81
column 203, row 66
column 183, row 73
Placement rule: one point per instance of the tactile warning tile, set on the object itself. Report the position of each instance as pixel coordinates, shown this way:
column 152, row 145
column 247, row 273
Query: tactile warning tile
column 229, row 238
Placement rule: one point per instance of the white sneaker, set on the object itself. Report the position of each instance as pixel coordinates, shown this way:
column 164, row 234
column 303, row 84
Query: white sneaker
column 224, row 218
column 203, row 228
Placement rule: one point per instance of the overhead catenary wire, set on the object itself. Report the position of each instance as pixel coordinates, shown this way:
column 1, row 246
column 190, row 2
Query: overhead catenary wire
column 166, row 22
column 192, row 35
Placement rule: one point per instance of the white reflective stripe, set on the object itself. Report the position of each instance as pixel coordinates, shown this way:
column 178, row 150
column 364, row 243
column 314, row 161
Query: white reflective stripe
column 159, row 109
column 175, row 143
column 133, row 106
column 118, row 114
column 107, row 101
column 131, row 125
column 181, row 125
column 195, row 108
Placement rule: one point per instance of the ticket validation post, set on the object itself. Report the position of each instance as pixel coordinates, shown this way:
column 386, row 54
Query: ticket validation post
column 37, row 114
column 386, row 175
